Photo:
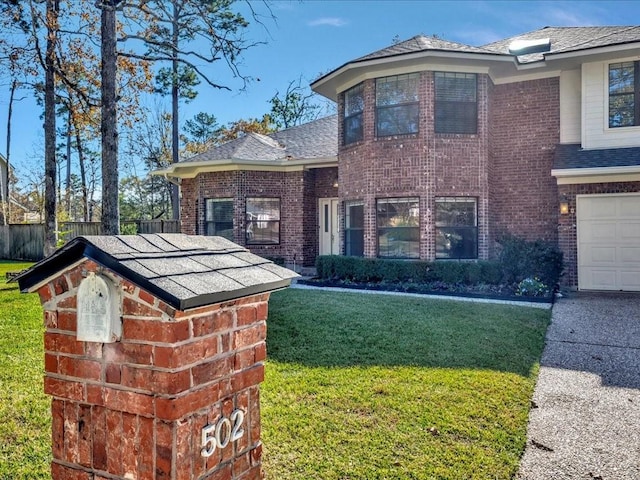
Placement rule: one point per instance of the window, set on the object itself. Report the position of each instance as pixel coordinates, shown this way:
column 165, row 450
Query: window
column 456, row 227
column 456, row 106
column 624, row 94
column 354, row 229
column 397, row 106
column 263, row 221
column 353, row 108
column 398, row 228
column 219, row 217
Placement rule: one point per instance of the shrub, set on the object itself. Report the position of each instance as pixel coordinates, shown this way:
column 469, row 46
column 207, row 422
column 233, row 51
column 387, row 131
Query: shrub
column 522, row 259
column 532, row 287
column 365, row 270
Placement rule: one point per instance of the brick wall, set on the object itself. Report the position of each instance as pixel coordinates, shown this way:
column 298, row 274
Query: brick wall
column 136, row 408
column 567, row 224
column 525, row 128
column 425, row 165
column 298, row 193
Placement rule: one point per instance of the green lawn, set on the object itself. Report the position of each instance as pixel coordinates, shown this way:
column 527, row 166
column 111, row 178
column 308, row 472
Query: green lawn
column 358, row 387
column 25, row 425
column 381, row 387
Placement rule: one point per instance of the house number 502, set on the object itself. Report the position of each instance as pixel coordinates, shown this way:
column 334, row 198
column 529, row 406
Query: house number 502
column 219, row 434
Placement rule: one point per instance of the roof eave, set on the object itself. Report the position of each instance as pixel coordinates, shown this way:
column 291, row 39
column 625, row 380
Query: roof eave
column 192, row 169
column 322, row 84
column 568, row 176
column 592, row 51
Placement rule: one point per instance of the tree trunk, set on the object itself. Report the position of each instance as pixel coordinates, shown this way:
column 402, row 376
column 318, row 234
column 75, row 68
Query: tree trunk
column 67, row 191
column 6, row 191
column 109, row 131
column 175, row 96
column 83, row 177
column 50, row 223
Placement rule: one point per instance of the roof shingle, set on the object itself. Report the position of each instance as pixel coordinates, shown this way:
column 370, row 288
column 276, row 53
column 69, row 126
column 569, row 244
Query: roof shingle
column 183, row 271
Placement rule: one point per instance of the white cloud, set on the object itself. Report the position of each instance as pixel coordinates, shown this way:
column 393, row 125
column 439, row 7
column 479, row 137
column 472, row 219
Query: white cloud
column 328, row 21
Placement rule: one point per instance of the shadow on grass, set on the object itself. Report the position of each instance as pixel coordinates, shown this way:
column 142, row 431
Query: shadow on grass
column 327, row 329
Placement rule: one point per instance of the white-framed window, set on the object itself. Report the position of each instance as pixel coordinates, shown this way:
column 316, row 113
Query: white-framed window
column 624, row 94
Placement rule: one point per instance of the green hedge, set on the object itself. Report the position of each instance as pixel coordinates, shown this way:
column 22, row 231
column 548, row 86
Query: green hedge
column 367, row 270
column 519, row 259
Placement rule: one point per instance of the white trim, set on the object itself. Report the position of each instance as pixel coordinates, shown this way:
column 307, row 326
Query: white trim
column 192, row 169
column 525, row 77
column 569, row 176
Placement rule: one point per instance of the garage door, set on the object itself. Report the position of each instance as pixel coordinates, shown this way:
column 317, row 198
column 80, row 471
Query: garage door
column 608, row 242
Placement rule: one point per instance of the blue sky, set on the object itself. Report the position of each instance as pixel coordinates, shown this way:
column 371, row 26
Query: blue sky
column 312, row 37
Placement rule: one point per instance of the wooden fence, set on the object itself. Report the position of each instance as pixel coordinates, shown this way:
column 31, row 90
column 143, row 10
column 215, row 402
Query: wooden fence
column 26, row 241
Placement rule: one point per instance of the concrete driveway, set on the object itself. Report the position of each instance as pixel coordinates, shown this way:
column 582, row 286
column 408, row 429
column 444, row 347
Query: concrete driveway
column 585, row 417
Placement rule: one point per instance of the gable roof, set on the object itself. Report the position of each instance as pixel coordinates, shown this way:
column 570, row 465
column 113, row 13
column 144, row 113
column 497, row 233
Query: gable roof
column 184, row 271
column 411, row 53
column 316, row 139
column 422, row 43
column 311, row 145
column 569, row 39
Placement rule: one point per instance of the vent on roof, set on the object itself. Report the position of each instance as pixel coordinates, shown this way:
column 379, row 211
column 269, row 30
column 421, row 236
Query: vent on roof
column 525, row 47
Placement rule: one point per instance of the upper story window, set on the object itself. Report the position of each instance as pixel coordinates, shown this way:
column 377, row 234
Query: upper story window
column 624, row 94
column 353, row 108
column 397, row 105
column 456, row 104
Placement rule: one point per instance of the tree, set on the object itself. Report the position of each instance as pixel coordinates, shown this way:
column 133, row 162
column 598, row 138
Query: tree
column 241, row 127
column 109, row 131
column 174, row 32
column 201, row 131
column 297, row 106
column 50, row 222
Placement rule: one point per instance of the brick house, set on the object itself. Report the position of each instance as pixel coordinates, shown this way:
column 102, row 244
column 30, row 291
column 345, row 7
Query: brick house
column 438, row 149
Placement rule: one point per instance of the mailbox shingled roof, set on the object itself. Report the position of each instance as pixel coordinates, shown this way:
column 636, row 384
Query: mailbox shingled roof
column 182, row 270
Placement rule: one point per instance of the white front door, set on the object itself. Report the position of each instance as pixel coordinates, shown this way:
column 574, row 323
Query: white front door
column 328, row 220
column 608, row 242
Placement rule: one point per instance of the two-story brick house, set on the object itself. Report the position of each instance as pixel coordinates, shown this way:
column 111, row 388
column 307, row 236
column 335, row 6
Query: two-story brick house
column 439, row 149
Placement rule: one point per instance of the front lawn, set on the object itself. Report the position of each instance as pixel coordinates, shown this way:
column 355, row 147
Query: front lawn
column 358, row 386
column 364, row 386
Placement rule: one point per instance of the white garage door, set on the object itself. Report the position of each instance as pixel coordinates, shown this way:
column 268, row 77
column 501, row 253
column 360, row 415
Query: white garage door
column 609, row 242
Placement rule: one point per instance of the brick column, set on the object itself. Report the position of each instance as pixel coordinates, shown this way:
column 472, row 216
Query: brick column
column 137, row 408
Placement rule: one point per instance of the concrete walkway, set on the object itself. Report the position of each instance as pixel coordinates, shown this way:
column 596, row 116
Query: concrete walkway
column 585, row 420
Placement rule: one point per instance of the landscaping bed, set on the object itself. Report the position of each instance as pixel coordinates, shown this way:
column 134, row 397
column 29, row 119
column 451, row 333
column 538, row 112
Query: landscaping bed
column 523, row 271
column 483, row 291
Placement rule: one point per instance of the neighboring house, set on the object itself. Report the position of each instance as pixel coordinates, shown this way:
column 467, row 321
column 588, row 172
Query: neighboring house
column 442, row 148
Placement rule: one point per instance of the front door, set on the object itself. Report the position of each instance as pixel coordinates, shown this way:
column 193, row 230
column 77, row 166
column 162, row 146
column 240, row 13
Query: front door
column 329, row 240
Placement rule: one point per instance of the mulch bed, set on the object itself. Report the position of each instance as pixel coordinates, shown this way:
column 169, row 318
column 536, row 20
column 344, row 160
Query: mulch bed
column 491, row 292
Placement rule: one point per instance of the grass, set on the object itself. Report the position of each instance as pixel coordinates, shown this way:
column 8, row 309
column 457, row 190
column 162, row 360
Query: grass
column 25, row 425
column 381, row 387
column 358, row 387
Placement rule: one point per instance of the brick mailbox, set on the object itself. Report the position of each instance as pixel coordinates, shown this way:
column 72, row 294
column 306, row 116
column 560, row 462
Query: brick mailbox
column 154, row 351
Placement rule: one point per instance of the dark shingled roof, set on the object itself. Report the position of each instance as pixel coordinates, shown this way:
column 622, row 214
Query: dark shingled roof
column 422, row 43
column 573, row 156
column 316, row 139
column 569, row 39
column 184, row 271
